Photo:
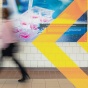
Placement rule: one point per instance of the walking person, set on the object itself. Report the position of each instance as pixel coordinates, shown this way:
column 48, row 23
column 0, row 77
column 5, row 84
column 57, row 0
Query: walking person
column 10, row 43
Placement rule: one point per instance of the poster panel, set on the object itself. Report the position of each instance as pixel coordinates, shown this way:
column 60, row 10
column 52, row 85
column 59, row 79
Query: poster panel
column 31, row 17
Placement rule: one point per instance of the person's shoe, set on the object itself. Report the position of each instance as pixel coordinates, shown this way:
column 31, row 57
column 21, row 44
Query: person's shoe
column 24, row 78
column 21, row 80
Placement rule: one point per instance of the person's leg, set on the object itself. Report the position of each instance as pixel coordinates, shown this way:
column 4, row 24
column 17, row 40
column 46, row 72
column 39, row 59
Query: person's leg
column 22, row 70
column 1, row 62
column 1, row 59
column 12, row 48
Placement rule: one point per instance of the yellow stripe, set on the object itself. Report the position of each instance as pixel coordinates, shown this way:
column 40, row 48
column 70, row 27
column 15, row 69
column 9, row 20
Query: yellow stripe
column 61, row 61
column 84, row 45
column 46, row 44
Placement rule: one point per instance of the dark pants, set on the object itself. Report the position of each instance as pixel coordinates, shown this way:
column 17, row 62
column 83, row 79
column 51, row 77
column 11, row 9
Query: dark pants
column 9, row 52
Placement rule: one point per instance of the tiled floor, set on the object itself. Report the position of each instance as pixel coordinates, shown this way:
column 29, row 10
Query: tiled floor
column 40, row 78
column 36, row 83
column 35, row 73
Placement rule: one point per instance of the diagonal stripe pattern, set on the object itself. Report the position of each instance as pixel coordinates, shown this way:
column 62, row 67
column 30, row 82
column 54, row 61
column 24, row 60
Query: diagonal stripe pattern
column 84, row 45
column 46, row 44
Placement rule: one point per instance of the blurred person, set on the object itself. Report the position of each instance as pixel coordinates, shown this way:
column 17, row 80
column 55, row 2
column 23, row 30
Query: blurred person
column 10, row 43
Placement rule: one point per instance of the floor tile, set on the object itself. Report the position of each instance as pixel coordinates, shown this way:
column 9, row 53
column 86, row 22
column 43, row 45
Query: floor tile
column 11, row 81
column 2, row 81
column 1, row 85
column 52, row 87
column 24, row 85
column 51, row 80
column 66, row 85
column 39, row 81
column 9, row 86
column 38, row 85
column 63, row 81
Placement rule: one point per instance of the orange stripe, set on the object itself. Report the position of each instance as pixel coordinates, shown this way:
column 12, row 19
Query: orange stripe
column 54, row 53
